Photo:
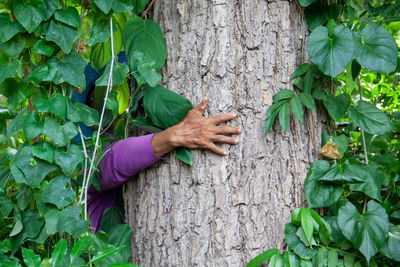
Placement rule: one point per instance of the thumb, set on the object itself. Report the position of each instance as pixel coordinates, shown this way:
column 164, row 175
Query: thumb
column 202, row 106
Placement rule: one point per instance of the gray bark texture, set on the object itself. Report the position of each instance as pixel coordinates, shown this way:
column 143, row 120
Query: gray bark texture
column 223, row 211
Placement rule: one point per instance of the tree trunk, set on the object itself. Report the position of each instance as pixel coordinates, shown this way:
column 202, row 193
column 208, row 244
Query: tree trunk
column 223, row 211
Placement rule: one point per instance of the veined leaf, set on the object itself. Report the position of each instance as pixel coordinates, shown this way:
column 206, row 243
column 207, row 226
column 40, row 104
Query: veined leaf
column 295, row 244
column 284, row 116
column 30, row 15
column 263, row 257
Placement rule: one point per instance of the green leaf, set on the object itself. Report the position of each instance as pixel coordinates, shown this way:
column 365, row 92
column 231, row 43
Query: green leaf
column 283, row 95
column 100, row 32
column 366, row 231
column 305, row 3
column 284, row 116
column 59, row 134
column 308, row 101
column 24, row 197
column 30, row 15
column 139, row 5
column 44, row 151
column 295, row 244
column 332, row 258
column 165, row 107
column 101, row 255
column 32, row 128
column 6, row 113
column 146, row 71
column 305, row 263
column 59, row 252
column 276, row 261
column 303, row 68
column 372, row 181
column 58, row 105
column 71, row 70
column 119, row 74
column 263, row 257
column 185, row 155
column 70, row 159
column 27, row 170
column 61, row 34
column 376, row 49
column 121, row 5
column 30, row 258
column 319, row 194
column 69, row 16
column 322, row 257
column 80, row 246
column 111, row 217
column 318, row 14
column 297, row 108
column 391, row 247
column 307, row 224
column 40, row 47
column 13, row 47
column 145, row 123
column 339, row 174
column 77, row 112
column 331, row 54
column 290, row 259
column 336, row 105
column 32, row 223
column 8, row 69
column 104, row 5
column 370, row 118
column 136, row 35
column 66, row 220
column 57, row 194
column 272, row 111
column 21, row 92
column 45, row 72
column 8, row 28
column 6, row 206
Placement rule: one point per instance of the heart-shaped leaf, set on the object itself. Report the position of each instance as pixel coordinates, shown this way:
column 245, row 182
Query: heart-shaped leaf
column 333, row 53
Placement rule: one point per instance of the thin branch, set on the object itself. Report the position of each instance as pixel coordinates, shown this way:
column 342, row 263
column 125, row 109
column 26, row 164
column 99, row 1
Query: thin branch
column 96, row 146
column 85, row 168
column 144, row 13
column 77, row 48
column 362, row 131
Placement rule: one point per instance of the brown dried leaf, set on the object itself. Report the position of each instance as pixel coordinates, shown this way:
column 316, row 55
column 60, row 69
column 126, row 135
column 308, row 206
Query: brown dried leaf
column 330, row 150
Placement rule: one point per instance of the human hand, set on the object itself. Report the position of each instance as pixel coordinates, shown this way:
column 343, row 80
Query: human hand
column 197, row 131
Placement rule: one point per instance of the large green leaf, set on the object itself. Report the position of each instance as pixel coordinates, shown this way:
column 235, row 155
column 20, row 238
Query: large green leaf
column 139, row 5
column 30, row 258
column 100, row 32
column 165, row 107
column 28, row 170
column 63, row 35
column 32, row 223
column 8, row 69
column 263, row 257
column 376, row 49
column 333, row 53
column 57, row 194
column 370, row 118
column 13, row 47
column 70, row 70
column 372, row 181
column 111, row 217
column 79, row 247
column 340, row 174
column 77, row 112
column 295, row 244
column 32, row 127
column 366, row 231
column 308, row 101
column 68, row 220
column 185, row 155
column 119, row 74
column 51, row 6
column 391, row 248
column 8, row 28
column 44, row 151
column 24, row 196
column 70, row 159
column 336, row 105
column 30, row 15
column 276, row 261
column 59, row 252
column 318, row 193
column 69, row 16
column 42, row 48
column 139, row 49
column 60, row 135
column 45, row 72
column 318, row 14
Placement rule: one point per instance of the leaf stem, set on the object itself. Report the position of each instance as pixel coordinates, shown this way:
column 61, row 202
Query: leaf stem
column 362, row 131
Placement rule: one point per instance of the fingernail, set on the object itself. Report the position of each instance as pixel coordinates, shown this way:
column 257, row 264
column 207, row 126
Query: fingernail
column 237, row 141
column 225, row 153
column 233, row 114
column 239, row 131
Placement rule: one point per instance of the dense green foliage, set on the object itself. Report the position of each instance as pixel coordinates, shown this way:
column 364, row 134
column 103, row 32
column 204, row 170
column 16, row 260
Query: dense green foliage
column 354, row 75
column 45, row 47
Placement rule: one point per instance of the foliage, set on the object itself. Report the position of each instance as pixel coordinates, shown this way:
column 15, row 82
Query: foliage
column 44, row 50
column 354, row 75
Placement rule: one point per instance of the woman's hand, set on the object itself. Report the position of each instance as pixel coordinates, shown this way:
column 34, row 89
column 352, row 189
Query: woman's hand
column 196, row 131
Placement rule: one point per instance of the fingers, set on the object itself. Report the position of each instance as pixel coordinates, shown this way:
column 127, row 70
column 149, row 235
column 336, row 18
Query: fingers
column 225, row 139
column 215, row 149
column 223, row 117
column 202, row 106
column 227, row 130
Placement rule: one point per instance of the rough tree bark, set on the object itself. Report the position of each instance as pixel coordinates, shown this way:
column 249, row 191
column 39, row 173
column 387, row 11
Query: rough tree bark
column 223, row 211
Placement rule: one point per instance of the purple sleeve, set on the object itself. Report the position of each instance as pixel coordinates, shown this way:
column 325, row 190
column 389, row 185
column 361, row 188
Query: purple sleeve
column 125, row 159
